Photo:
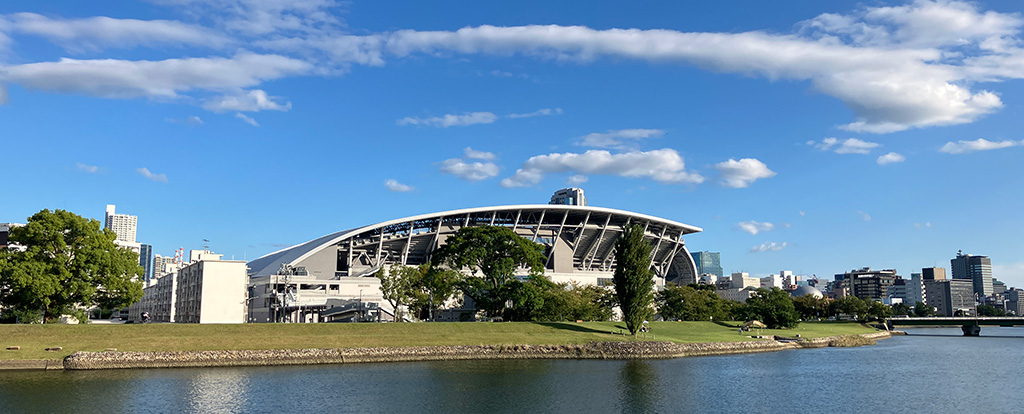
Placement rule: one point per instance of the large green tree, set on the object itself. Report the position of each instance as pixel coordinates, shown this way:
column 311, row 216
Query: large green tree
column 396, row 286
column 495, row 253
column 69, row 264
column 774, row 307
column 923, row 310
column 691, row 303
column 633, row 277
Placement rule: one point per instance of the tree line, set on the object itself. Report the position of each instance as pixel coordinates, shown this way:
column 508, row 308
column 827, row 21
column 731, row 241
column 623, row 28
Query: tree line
column 65, row 265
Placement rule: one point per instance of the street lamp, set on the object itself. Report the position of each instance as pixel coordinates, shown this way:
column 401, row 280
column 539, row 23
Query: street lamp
column 359, row 316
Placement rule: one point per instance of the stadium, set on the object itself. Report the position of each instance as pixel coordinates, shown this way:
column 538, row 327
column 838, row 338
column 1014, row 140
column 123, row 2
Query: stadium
column 331, row 278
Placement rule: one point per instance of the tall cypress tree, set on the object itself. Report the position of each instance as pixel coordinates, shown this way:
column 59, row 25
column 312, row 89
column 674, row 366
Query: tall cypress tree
column 634, row 279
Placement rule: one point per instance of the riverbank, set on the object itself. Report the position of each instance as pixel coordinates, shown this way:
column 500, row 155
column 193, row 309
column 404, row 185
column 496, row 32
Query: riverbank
column 166, row 345
column 594, row 350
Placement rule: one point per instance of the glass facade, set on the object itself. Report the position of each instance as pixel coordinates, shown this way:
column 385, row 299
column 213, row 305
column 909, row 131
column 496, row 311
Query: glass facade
column 708, row 263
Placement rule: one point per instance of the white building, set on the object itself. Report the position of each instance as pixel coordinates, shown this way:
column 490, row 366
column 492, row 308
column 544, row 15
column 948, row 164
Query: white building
column 742, row 280
column 734, row 294
column 708, row 279
column 771, row 281
column 915, row 290
column 210, row 291
column 163, row 265
column 158, row 299
column 123, row 225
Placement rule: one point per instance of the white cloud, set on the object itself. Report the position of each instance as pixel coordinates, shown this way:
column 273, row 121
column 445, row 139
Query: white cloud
column 111, row 78
column 191, row 120
column 91, row 169
column 980, row 144
column 890, row 158
column 889, row 88
column 478, row 155
column 539, row 112
column 469, row 171
column 846, row 146
column 95, row 33
column 247, row 119
column 664, row 165
column 802, row 213
column 864, row 216
column 576, row 179
column 925, row 225
column 449, row 120
column 768, row 247
column 160, row 178
column 742, row 173
column 754, row 227
column 614, row 139
column 249, row 101
column 396, row 186
column 3, row 94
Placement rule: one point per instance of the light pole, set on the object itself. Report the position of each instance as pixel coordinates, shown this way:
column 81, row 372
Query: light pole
column 359, row 316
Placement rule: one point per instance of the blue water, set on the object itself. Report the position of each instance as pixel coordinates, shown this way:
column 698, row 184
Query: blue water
column 933, row 370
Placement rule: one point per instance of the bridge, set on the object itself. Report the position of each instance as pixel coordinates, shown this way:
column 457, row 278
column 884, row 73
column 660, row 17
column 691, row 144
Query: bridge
column 971, row 325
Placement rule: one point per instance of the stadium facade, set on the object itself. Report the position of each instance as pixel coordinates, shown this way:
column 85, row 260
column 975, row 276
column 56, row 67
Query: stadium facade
column 331, row 278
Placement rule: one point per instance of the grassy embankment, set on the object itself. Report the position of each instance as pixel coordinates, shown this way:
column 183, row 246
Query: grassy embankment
column 33, row 339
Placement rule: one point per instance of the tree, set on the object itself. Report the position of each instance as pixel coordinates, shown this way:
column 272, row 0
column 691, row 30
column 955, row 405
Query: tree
column 396, row 286
column 433, row 288
column 691, row 303
column 633, row 277
column 923, row 310
column 69, row 263
column 989, row 310
column 879, row 310
column 851, row 305
column 810, row 307
column 901, row 309
column 774, row 307
column 496, row 252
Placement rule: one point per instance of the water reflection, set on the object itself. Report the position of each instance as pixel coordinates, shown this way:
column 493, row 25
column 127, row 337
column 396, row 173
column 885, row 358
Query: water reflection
column 638, row 387
column 218, row 390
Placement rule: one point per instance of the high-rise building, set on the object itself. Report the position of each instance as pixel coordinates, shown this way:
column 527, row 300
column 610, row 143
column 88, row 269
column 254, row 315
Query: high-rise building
column 976, row 268
column 708, row 263
column 146, row 261
column 951, row 295
column 865, row 283
column 162, row 265
column 915, row 290
column 933, row 273
column 569, row 196
column 123, row 225
column 1015, row 301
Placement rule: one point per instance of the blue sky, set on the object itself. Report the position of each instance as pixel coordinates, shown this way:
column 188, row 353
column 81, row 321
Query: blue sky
column 811, row 136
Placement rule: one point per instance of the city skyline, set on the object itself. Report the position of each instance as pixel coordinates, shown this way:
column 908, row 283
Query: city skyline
column 816, row 138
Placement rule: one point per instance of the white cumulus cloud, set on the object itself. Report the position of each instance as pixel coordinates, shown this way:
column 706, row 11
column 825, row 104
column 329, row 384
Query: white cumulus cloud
column 91, row 169
column 664, row 165
column 478, row 155
column 396, row 186
column 246, row 101
column 247, row 119
column 742, row 173
column 160, row 178
column 539, row 112
column 768, row 247
column 754, row 227
column 96, row 33
column 469, row 171
column 615, row 139
column 890, row 158
column 576, row 179
column 864, row 216
column 980, row 144
column 450, row 120
column 846, row 146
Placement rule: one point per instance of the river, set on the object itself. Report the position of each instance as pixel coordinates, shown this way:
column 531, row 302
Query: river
column 932, row 370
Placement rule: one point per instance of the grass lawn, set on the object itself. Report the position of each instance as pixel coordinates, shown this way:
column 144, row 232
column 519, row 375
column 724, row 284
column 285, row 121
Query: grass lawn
column 33, row 339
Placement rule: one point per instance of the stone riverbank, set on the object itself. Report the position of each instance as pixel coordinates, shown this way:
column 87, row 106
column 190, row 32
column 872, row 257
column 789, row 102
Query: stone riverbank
column 593, row 350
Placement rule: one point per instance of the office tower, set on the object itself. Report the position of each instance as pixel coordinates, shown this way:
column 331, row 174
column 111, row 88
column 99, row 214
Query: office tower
column 976, row 268
column 708, row 263
column 146, row 261
column 933, row 273
column 569, row 196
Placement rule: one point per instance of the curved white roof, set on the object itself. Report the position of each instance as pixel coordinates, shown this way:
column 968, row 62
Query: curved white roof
column 270, row 263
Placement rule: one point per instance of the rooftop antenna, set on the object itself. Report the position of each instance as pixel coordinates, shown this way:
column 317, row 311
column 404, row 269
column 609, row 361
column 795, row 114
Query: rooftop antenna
column 206, row 244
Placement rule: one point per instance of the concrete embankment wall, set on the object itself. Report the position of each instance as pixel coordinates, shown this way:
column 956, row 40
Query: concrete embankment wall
column 594, row 350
